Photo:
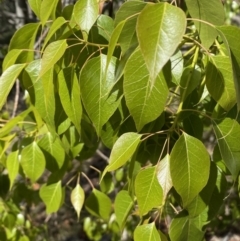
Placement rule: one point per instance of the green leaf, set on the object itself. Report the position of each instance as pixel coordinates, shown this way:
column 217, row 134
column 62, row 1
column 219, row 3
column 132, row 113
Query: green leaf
column 69, row 92
column 122, row 151
column 24, row 39
column 160, row 28
column 184, row 228
column 188, row 166
column 146, row 232
column 7, row 81
column 47, row 9
column 148, row 190
column 53, row 151
column 209, row 12
column 35, row 6
column 53, row 52
column 193, row 126
column 98, row 204
column 144, row 100
column 13, row 166
column 177, row 66
column 10, row 58
column 56, row 25
column 51, row 196
column 123, row 205
column 100, row 98
column 164, row 176
column 44, row 93
column 32, row 161
column 229, row 35
column 85, row 14
column 228, row 134
column 219, row 81
column 77, row 199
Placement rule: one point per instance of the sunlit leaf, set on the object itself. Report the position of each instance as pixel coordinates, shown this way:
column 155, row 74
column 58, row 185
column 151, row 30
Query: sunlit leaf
column 47, row 9
column 146, row 232
column 77, row 199
column 13, row 166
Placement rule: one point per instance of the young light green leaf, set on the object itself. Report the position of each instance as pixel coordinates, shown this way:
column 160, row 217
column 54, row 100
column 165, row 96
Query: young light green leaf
column 52, row 196
column 47, row 9
column 219, row 81
column 148, row 191
column 53, row 151
column 44, row 93
column 100, row 99
column 53, row 29
column 35, row 6
column 123, row 149
column 32, row 161
column 85, row 13
column 77, row 199
column 123, row 205
column 98, row 204
column 146, row 232
column 7, row 80
column 209, row 12
column 13, row 166
column 69, row 92
column 53, row 52
column 188, row 166
column 184, row 228
column 145, row 100
column 164, row 176
column 11, row 58
column 159, row 41
column 228, row 134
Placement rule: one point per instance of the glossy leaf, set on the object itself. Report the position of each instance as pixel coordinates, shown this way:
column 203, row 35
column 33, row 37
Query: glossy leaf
column 122, row 151
column 7, row 81
column 219, row 81
column 148, row 190
column 188, row 166
column 44, row 92
column 160, row 28
column 13, row 166
column 35, row 6
column 52, row 196
column 69, row 92
column 164, row 176
column 100, row 99
column 85, row 14
column 53, row 52
column 53, row 151
column 123, row 205
column 47, row 9
column 184, row 228
column 144, row 100
column 77, row 199
column 32, row 161
column 146, row 232
column 98, row 204
column 209, row 12
column 53, row 29
column 228, row 134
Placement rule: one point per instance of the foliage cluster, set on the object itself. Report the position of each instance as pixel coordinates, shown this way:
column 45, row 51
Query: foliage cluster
column 149, row 85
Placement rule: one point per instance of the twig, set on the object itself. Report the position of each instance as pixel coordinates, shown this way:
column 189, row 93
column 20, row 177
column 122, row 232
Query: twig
column 16, row 99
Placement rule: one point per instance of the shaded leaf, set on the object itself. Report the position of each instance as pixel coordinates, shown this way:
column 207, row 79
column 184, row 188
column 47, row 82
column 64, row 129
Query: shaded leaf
column 228, row 134
column 13, row 166
column 69, row 92
column 7, row 81
column 148, row 190
column 146, row 232
column 177, row 66
column 77, row 199
column 52, row 196
column 164, row 176
column 145, row 100
column 188, row 166
column 160, row 28
column 123, row 205
column 32, row 161
column 100, row 98
column 98, row 204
